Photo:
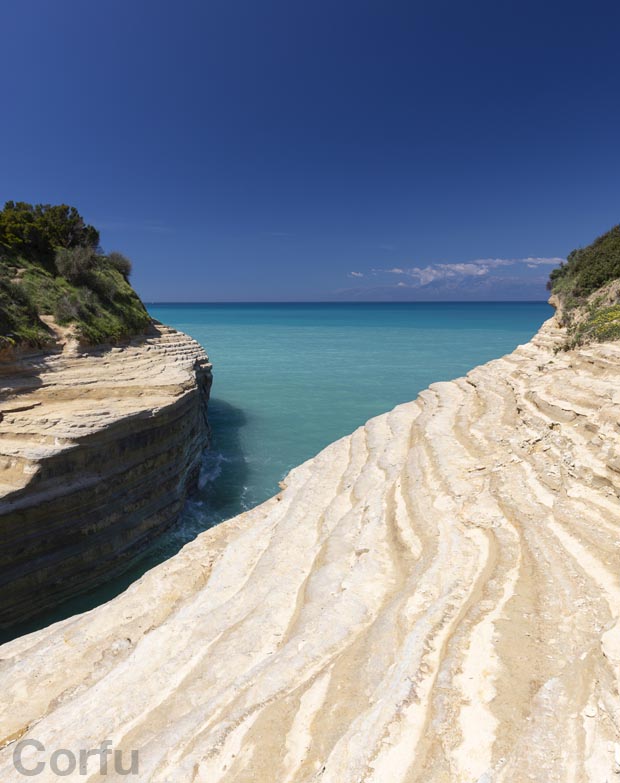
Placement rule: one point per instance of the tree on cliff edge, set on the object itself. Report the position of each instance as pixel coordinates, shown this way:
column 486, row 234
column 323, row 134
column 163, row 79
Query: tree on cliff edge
column 37, row 231
column 51, row 264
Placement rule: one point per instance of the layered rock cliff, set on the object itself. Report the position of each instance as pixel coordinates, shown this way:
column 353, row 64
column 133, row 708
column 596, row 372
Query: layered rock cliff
column 434, row 598
column 98, row 450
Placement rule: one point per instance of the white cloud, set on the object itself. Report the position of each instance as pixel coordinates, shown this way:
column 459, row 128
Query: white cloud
column 531, row 261
column 356, row 274
column 480, row 267
column 427, row 274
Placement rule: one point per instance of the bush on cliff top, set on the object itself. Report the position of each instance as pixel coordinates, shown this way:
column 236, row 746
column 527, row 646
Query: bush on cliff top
column 586, row 315
column 51, row 264
column 589, row 268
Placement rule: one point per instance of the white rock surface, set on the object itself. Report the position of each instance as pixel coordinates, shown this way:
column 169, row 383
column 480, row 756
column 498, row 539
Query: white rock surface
column 433, row 599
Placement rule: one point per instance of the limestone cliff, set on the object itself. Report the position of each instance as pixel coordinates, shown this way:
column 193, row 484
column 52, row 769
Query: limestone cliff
column 98, row 449
column 434, row 598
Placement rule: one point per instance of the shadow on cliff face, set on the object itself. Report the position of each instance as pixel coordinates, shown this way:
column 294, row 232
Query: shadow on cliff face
column 225, row 470
column 222, row 486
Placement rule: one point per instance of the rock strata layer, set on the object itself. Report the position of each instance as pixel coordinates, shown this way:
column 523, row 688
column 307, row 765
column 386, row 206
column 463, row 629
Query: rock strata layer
column 98, row 451
column 433, row 598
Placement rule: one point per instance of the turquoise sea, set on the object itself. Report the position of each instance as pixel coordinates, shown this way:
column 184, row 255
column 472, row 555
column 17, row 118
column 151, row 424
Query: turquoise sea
column 291, row 378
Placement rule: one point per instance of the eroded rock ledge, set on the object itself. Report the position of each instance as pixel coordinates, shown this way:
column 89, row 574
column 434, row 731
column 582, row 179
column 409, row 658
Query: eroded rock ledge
column 434, row 598
column 98, row 450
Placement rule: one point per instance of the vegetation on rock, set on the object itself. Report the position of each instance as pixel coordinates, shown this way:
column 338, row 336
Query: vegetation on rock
column 51, row 264
column 587, row 288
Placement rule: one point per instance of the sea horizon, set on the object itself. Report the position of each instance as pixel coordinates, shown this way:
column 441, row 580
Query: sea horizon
column 348, row 302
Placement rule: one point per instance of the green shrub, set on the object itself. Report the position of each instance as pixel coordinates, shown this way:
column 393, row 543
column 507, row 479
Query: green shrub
column 36, row 231
column 51, row 264
column 600, row 324
column 120, row 262
column 65, row 309
column 19, row 321
column 74, row 263
column 587, row 269
column 104, row 282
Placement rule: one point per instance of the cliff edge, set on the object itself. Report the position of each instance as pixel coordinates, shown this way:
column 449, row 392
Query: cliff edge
column 98, row 449
column 102, row 412
column 433, row 598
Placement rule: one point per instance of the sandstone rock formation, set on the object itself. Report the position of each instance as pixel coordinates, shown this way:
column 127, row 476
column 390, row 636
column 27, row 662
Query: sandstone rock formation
column 433, row 599
column 98, row 449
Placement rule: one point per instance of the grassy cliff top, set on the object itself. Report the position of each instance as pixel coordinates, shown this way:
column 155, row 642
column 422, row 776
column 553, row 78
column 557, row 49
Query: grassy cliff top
column 587, row 290
column 51, row 265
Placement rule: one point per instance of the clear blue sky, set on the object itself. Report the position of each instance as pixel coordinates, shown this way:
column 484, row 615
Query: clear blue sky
column 319, row 149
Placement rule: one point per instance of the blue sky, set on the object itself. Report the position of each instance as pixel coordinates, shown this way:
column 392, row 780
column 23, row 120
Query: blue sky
column 333, row 149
